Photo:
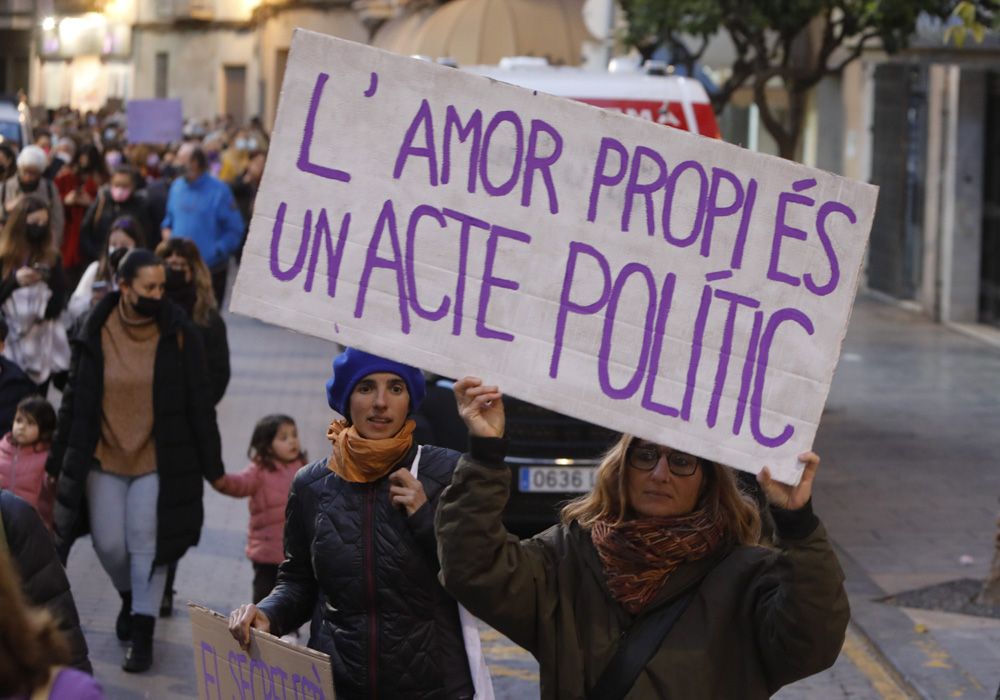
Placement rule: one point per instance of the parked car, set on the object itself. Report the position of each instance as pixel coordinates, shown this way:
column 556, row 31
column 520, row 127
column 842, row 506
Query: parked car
column 15, row 122
column 552, row 457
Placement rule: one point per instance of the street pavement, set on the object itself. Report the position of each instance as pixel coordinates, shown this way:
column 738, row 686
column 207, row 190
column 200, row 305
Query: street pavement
column 909, row 484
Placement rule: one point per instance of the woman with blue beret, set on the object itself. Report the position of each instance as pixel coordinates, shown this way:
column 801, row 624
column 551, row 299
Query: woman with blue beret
column 359, row 535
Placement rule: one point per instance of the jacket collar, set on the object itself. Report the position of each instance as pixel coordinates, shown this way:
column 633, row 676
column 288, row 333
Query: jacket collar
column 170, row 320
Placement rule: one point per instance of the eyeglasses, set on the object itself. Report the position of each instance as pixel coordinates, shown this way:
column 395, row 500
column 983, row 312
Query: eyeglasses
column 646, row 457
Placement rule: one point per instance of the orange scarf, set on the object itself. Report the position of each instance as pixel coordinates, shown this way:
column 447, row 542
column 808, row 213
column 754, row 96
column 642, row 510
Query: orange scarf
column 639, row 555
column 361, row 460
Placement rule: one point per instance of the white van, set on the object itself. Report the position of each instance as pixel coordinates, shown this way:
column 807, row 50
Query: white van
column 647, row 92
column 15, row 124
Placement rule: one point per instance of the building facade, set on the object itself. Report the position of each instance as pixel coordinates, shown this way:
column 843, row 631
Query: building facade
column 935, row 154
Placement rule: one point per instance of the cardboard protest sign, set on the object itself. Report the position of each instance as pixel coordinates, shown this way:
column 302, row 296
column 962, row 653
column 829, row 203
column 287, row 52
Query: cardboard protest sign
column 636, row 276
column 154, row 121
column 271, row 669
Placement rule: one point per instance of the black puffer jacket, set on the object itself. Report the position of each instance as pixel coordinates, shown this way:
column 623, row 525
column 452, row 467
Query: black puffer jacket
column 216, row 343
column 184, row 428
column 395, row 632
column 43, row 578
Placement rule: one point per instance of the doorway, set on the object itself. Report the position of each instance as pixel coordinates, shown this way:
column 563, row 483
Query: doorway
column 989, row 281
column 236, row 93
column 895, row 251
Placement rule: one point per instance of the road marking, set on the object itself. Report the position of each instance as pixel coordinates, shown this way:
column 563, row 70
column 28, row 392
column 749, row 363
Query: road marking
column 497, row 651
column 519, row 673
column 937, row 657
column 864, row 659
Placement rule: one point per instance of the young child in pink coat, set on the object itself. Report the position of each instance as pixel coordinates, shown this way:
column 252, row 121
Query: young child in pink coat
column 275, row 456
column 23, row 452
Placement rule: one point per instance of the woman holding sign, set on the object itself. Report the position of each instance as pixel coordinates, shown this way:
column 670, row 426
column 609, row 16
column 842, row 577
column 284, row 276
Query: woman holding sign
column 359, row 534
column 652, row 585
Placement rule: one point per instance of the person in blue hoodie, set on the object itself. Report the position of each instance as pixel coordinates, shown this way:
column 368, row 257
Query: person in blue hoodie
column 201, row 207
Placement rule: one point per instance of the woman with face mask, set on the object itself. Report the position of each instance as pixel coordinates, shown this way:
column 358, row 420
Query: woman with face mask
column 137, row 434
column 32, row 292
column 119, row 198
column 189, row 285
column 78, row 185
column 28, row 181
column 99, row 277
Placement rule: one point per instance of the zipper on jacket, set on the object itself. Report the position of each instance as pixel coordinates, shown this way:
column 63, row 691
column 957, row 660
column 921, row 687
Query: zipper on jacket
column 369, row 538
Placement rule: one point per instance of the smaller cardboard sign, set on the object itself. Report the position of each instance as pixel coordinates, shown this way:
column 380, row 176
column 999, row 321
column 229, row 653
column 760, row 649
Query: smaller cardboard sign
column 270, row 669
column 154, row 121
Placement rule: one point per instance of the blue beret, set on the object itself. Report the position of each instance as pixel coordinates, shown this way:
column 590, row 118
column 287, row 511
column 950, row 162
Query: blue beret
column 353, row 365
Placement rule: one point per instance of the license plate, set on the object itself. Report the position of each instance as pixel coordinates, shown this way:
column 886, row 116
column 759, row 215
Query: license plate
column 556, row 479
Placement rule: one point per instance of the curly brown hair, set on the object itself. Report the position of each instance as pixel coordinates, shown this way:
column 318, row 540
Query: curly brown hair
column 30, row 640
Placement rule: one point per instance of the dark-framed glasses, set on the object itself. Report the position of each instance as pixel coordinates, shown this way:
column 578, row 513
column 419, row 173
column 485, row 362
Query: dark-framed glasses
column 646, row 457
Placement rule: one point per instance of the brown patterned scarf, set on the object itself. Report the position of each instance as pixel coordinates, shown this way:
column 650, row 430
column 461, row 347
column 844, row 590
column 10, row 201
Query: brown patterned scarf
column 361, row 460
column 639, row 555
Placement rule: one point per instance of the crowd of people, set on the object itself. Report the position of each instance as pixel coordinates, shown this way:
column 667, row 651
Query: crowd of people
column 114, row 262
column 113, row 268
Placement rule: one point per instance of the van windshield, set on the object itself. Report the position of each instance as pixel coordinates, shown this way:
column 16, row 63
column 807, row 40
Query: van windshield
column 10, row 131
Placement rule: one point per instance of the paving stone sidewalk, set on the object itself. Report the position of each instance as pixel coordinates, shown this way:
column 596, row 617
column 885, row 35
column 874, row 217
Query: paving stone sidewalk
column 909, row 486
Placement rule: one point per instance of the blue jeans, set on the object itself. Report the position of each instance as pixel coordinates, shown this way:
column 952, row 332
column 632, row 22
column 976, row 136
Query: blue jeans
column 123, row 529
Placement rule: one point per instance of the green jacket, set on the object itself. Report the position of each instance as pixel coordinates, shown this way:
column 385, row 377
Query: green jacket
column 761, row 618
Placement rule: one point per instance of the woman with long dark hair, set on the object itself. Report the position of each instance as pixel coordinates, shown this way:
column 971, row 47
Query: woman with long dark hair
column 136, row 437
column 99, row 277
column 189, row 285
column 653, row 585
column 32, row 292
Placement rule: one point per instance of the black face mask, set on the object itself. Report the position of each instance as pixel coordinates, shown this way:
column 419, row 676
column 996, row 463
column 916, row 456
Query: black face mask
column 36, row 233
column 175, row 280
column 28, row 186
column 147, row 306
column 180, row 291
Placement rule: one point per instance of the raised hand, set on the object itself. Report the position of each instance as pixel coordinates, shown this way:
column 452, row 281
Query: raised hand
column 787, row 496
column 480, row 406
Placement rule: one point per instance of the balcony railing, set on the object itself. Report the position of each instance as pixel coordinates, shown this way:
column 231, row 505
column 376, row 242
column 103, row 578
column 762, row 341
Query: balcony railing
column 185, row 9
column 17, row 7
column 70, row 8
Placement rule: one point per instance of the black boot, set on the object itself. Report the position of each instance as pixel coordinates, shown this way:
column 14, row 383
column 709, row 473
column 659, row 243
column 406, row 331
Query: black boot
column 123, row 625
column 167, row 603
column 139, row 656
